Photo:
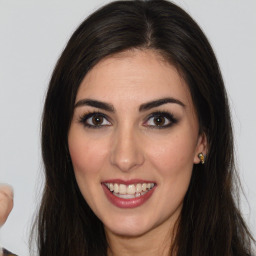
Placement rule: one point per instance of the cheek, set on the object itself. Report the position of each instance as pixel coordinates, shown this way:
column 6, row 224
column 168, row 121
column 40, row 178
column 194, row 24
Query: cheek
column 86, row 154
column 173, row 154
column 88, row 160
column 173, row 161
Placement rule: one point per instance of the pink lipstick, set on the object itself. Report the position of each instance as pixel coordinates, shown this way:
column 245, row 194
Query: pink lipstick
column 128, row 194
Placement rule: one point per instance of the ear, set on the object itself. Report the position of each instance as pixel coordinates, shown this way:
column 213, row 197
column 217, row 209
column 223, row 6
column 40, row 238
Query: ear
column 201, row 147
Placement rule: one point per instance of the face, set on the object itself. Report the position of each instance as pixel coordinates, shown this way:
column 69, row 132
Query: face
column 133, row 141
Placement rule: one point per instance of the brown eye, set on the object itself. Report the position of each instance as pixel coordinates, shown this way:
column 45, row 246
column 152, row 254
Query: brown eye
column 97, row 120
column 159, row 120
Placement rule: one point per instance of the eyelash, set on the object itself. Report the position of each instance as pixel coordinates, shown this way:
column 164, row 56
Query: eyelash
column 84, row 119
column 168, row 118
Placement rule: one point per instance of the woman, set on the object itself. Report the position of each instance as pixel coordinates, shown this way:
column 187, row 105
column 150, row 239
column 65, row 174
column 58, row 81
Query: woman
column 137, row 141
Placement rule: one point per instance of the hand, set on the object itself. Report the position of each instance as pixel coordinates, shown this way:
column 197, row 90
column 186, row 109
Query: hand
column 6, row 202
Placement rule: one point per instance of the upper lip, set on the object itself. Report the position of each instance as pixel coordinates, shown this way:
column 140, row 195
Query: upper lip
column 127, row 182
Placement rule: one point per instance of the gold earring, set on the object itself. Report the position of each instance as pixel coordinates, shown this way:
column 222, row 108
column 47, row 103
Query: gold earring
column 201, row 157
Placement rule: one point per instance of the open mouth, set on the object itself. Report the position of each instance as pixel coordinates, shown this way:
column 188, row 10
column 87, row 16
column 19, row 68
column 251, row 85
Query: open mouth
column 129, row 191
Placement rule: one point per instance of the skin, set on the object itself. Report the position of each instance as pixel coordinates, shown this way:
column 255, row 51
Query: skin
column 129, row 145
column 6, row 202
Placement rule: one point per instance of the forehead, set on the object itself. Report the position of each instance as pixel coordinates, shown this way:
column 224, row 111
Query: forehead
column 138, row 75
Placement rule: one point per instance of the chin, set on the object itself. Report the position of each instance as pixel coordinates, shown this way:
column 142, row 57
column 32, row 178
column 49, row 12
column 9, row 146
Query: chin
column 131, row 231
column 129, row 226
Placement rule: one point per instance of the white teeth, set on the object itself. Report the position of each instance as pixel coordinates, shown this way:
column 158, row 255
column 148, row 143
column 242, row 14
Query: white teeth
column 138, row 188
column 111, row 187
column 127, row 196
column 129, row 191
column 124, row 196
column 137, row 194
column 116, row 188
column 122, row 189
column 144, row 187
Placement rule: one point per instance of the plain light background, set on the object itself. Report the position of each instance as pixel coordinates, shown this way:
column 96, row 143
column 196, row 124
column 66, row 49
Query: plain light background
column 32, row 36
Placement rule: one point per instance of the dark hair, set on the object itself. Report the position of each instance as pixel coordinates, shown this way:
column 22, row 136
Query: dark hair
column 210, row 222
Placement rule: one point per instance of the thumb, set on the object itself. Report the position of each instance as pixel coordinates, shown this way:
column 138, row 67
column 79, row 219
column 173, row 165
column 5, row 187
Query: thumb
column 6, row 202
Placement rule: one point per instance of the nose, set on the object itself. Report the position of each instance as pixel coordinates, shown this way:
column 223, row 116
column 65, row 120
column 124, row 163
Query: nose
column 127, row 150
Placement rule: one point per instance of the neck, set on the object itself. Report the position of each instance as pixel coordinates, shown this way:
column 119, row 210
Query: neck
column 155, row 242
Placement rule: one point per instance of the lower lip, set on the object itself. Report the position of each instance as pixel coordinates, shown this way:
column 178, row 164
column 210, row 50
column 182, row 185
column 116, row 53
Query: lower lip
column 127, row 203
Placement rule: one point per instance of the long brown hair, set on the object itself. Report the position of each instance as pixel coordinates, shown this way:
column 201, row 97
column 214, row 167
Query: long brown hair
column 210, row 222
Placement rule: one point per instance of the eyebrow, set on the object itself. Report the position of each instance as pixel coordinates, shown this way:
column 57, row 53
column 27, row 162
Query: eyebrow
column 96, row 104
column 110, row 108
column 159, row 102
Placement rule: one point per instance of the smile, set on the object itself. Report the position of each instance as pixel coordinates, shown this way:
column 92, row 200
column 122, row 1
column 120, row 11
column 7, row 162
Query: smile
column 129, row 191
column 130, row 195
